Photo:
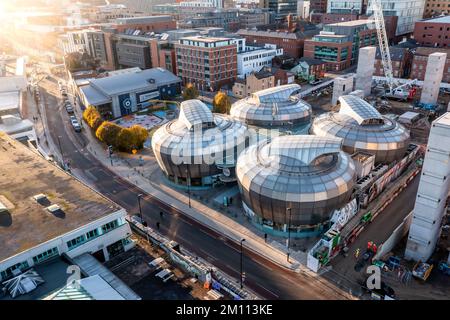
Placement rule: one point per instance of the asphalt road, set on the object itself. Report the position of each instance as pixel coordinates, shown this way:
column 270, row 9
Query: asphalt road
column 262, row 276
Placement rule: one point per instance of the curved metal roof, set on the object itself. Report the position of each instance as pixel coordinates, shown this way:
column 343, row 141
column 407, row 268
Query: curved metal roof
column 274, row 106
column 287, row 169
column 276, row 94
column 195, row 113
column 358, row 109
column 364, row 129
column 183, row 140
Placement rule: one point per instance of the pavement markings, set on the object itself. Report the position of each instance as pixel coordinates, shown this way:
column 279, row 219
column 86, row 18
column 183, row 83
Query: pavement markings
column 271, row 292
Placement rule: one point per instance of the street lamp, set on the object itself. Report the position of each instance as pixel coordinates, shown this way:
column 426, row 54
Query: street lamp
column 140, row 209
column 289, row 233
column 188, row 182
column 242, row 286
column 61, row 151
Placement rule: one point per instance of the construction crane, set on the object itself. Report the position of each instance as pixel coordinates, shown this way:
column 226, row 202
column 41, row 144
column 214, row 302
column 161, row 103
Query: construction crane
column 395, row 91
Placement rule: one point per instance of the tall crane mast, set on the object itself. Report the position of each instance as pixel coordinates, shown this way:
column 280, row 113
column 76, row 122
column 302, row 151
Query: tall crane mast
column 383, row 43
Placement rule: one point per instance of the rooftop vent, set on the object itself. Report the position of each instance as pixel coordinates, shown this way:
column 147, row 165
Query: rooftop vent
column 42, row 199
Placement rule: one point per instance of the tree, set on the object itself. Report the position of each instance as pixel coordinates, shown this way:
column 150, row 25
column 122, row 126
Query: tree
column 140, row 135
column 92, row 117
column 108, row 132
column 126, row 140
column 190, row 92
column 221, row 103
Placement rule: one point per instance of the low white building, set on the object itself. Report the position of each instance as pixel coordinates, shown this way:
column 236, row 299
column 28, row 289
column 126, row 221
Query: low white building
column 254, row 58
column 67, row 218
column 217, row 4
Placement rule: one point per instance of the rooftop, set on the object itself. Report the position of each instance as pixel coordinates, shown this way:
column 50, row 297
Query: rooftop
column 29, row 224
column 130, row 81
column 445, row 19
column 205, row 39
column 426, row 51
column 9, row 100
column 352, row 23
column 397, row 53
column 148, row 19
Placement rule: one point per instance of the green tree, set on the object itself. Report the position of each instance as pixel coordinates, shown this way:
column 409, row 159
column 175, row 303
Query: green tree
column 221, row 103
column 190, row 92
column 108, row 132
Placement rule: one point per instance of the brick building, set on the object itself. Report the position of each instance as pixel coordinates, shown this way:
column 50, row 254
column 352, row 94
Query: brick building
column 335, row 50
column 420, row 59
column 318, row 6
column 292, row 43
column 436, row 7
column 256, row 81
column 433, row 32
column 401, row 62
column 208, row 63
column 146, row 24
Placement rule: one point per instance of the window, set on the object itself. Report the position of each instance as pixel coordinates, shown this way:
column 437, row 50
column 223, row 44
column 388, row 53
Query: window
column 46, row 255
column 72, row 244
column 9, row 271
column 92, row 234
column 110, row 226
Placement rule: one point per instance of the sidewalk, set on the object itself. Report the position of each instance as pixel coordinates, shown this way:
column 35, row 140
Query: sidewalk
column 198, row 211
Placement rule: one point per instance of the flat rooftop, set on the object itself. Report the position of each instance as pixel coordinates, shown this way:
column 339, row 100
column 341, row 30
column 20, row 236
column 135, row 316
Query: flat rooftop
column 24, row 174
column 445, row 19
column 9, row 100
column 205, row 39
column 351, row 23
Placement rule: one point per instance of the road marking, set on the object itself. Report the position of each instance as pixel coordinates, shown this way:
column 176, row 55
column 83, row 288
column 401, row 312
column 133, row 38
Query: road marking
column 271, row 292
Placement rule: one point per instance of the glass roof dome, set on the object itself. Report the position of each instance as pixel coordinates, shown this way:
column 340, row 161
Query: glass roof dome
column 278, row 106
column 363, row 128
column 309, row 174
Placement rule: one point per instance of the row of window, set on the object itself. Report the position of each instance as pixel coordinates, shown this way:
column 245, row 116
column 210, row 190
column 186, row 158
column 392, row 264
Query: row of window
column 72, row 244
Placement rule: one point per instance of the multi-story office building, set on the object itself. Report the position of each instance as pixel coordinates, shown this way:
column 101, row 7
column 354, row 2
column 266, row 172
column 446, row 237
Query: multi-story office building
column 253, row 18
column 132, row 51
column 208, row 63
column 345, row 7
column 291, row 42
column 145, row 24
column 216, row 4
column 433, row 33
column 47, row 213
column 318, row 6
column 227, row 19
column 334, row 49
column 303, row 8
column 282, row 8
column 408, row 12
column 436, row 7
column 359, row 32
column 254, row 58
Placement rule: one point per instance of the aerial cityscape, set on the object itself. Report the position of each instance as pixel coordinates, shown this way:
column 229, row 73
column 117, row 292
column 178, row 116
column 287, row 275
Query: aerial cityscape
column 252, row 150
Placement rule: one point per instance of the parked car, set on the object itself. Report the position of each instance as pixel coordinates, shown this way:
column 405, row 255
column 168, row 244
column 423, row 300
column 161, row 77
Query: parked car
column 69, row 108
column 75, row 124
column 315, row 82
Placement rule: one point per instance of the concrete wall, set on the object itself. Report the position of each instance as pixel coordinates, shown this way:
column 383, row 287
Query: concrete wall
column 342, row 86
column 395, row 237
column 365, row 70
column 432, row 193
column 433, row 77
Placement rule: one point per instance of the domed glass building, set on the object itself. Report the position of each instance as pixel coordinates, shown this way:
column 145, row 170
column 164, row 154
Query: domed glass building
column 274, row 108
column 295, row 180
column 199, row 148
column 363, row 128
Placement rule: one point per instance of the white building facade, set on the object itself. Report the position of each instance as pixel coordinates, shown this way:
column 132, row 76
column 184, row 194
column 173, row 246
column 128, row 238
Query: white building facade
column 303, row 8
column 345, row 7
column 107, row 234
column 253, row 59
column 217, row 4
column 408, row 12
